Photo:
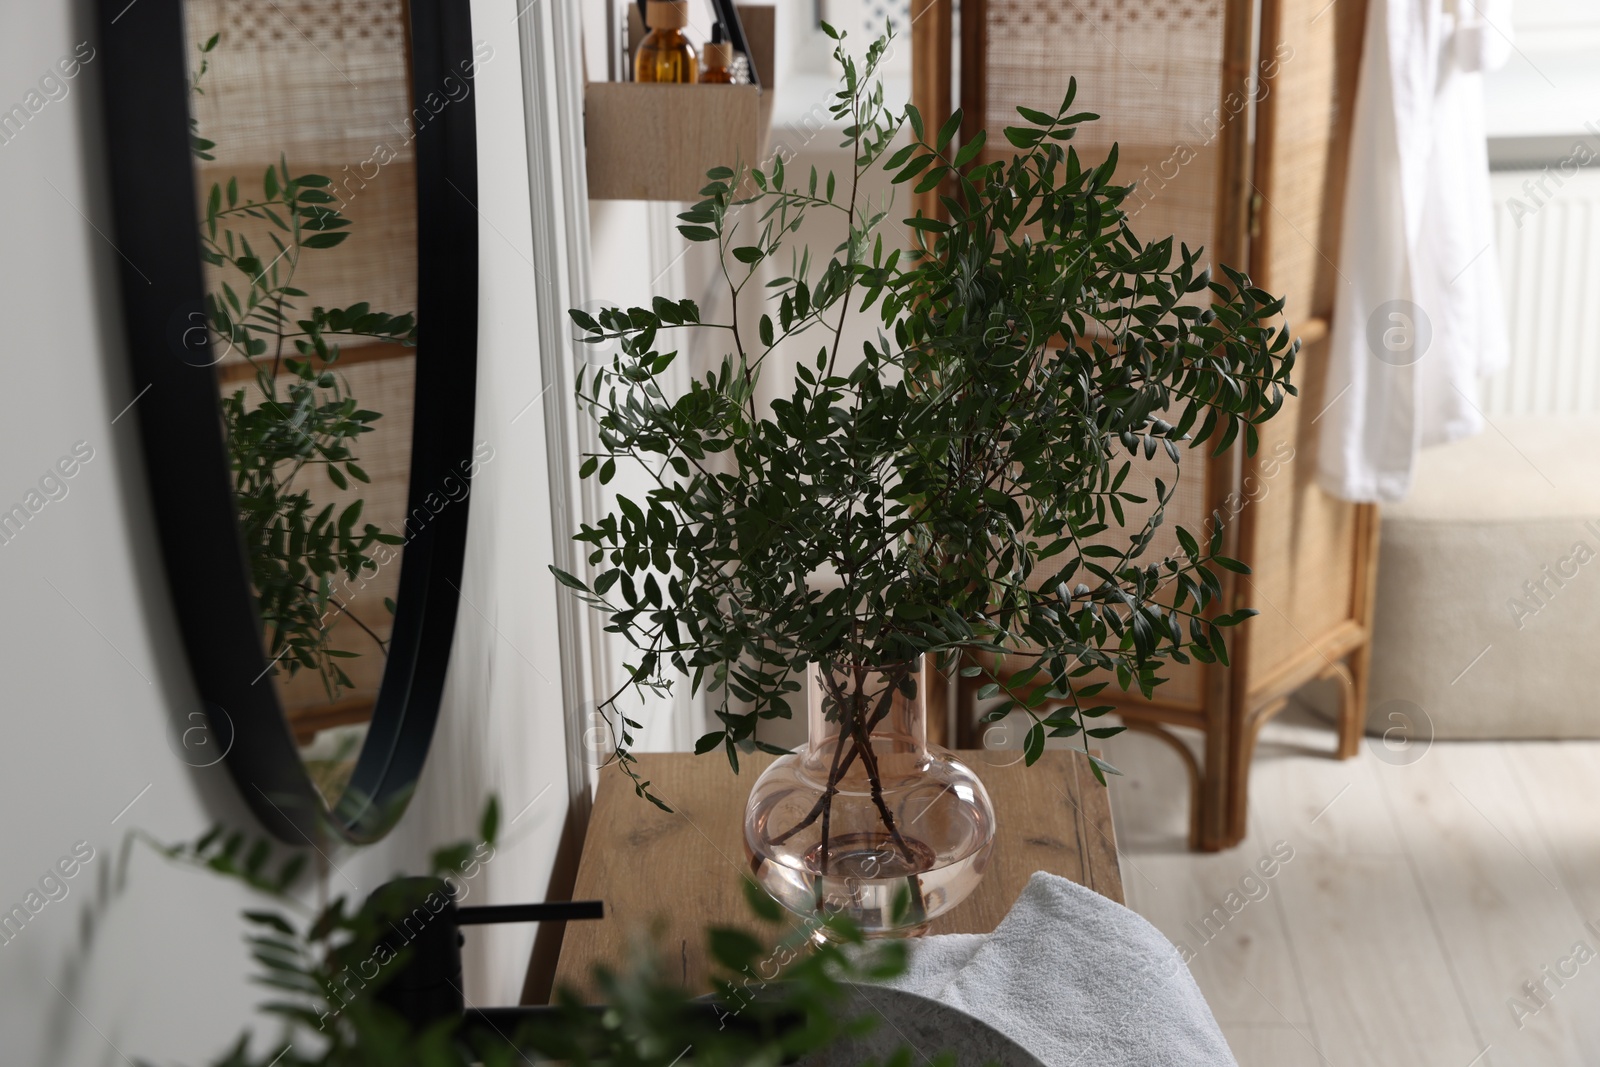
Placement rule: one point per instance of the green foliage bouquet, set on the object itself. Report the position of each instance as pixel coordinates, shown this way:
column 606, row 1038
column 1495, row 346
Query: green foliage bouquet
column 960, row 485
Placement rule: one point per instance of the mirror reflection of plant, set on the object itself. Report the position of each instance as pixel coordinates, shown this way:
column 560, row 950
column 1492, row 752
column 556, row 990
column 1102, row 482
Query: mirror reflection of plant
column 300, row 417
column 330, row 761
column 326, row 967
column 197, row 144
column 960, row 486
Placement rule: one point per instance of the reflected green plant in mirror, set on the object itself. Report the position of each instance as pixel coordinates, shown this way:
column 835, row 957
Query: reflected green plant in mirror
column 300, row 417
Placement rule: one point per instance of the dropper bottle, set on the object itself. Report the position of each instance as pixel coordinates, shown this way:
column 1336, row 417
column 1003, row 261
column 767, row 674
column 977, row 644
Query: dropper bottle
column 665, row 55
column 717, row 59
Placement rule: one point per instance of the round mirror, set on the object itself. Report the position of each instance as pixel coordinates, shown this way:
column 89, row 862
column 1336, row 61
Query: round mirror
column 307, row 415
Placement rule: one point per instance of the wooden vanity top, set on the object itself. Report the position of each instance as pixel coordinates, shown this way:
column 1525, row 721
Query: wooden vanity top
column 667, row 877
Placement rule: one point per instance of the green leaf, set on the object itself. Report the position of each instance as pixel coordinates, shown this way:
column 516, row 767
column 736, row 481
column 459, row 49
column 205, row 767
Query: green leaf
column 915, row 118
column 948, row 130
column 1236, row 617
column 734, row 949
column 917, row 166
column 267, row 918
column 1033, row 744
column 290, row 871
column 970, row 150
column 1186, row 541
column 932, row 179
column 898, row 160
column 1023, row 137
column 489, row 824
column 324, row 240
column 568, row 580
column 1101, row 768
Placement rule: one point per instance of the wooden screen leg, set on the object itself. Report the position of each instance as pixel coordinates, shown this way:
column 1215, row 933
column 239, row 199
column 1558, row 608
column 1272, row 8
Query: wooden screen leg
column 1241, row 748
column 1352, row 682
column 1242, row 753
column 1230, row 785
column 1353, row 712
column 1216, row 787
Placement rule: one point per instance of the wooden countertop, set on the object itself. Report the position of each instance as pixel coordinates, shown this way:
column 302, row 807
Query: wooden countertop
column 668, row 876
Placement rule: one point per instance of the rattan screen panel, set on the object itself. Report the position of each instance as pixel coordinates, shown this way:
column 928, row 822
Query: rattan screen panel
column 323, row 79
column 1303, row 542
column 1303, row 555
column 1300, row 162
column 325, row 85
column 1151, row 71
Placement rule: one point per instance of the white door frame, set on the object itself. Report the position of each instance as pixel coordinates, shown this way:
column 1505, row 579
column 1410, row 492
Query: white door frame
column 553, row 77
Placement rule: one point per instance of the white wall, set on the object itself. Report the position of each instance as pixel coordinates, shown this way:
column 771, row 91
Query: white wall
column 502, row 728
column 152, row 966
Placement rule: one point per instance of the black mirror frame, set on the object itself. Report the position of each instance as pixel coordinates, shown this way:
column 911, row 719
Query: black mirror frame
column 144, row 77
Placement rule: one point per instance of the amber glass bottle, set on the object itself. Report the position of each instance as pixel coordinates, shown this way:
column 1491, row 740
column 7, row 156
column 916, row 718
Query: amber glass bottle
column 666, row 55
column 717, row 68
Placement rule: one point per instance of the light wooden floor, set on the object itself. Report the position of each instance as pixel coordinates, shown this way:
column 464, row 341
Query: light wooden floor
column 1418, row 900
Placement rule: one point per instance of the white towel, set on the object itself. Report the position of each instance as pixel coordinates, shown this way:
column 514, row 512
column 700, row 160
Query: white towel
column 1075, row 978
column 1417, row 316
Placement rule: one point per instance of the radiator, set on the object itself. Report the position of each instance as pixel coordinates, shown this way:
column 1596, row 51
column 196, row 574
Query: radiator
column 1547, row 232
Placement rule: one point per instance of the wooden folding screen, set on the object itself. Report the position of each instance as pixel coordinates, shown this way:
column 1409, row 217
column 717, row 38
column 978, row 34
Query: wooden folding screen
column 1233, row 133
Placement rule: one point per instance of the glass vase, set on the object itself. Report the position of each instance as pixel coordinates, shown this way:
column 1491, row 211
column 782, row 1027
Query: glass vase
column 866, row 810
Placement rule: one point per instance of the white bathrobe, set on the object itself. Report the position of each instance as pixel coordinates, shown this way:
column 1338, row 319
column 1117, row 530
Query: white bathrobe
column 1417, row 316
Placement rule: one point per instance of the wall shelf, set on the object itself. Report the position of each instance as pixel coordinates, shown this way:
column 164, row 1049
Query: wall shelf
column 656, row 142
